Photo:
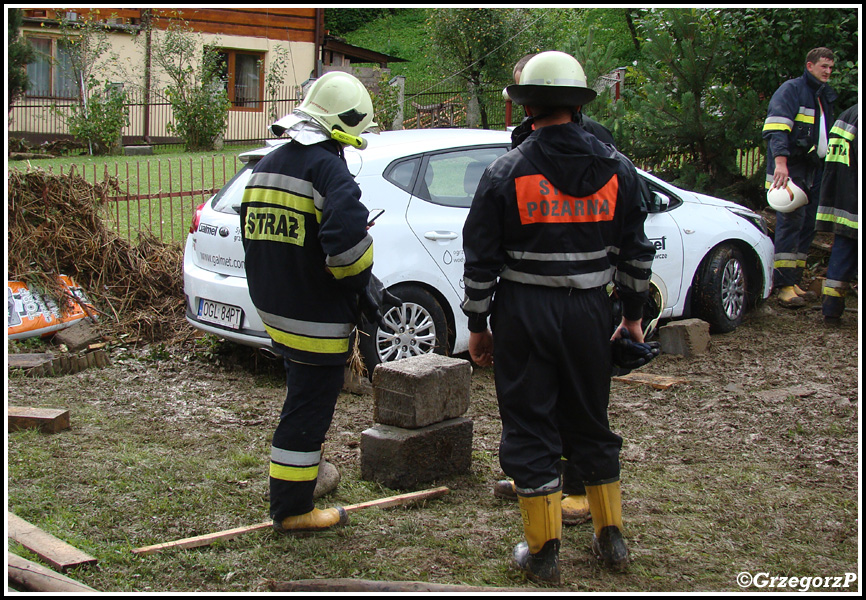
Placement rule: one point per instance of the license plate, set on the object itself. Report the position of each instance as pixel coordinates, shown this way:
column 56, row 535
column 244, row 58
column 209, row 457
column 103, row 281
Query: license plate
column 220, row 314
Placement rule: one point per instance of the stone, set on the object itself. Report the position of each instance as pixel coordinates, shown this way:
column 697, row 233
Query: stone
column 138, row 150
column 688, row 337
column 401, row 458
column 78, row 335
column 329, row 478
column 419, row 391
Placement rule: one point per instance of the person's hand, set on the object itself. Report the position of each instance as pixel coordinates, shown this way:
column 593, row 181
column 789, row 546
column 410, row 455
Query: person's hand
column 635, row 333
column 481, row 348
column 628, row 350
column 780, row 175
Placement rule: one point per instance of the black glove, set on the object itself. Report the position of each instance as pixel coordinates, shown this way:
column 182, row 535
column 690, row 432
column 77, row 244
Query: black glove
column 627, row 354
column 375, row 301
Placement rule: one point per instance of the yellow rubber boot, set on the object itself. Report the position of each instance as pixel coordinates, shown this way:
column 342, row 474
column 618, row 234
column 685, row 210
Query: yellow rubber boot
column 608, row 544
column 789, row 299
column 315, row 520
column 538, row 556
column 575, row 509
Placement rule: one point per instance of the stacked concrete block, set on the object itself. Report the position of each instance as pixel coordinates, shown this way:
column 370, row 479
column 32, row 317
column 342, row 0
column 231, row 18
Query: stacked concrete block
column 688, row 337
column 420, row 433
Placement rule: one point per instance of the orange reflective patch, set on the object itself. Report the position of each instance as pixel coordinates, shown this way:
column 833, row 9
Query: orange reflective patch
column 540, row 202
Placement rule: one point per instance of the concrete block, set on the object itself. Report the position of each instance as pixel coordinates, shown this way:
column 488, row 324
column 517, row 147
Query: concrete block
column 402, row 458
column 78, row 335
column 688, row 337
column 138, row 150
column 421, row 390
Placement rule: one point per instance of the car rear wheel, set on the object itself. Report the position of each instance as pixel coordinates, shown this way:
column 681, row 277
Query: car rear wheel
column 721, row 290
column 417, row 327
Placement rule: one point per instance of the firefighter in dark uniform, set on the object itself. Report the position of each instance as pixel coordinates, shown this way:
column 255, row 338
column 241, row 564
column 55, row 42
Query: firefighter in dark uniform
column 553, row 222
column 838, row 212
column 309, row 260
column 575, row 507
column 797, row 127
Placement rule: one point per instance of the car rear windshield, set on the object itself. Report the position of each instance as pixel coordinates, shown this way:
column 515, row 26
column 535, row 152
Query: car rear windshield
column 228, row 199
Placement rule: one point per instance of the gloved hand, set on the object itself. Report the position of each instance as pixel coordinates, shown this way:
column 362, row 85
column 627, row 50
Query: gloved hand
column 375, row 301
column 627, row 354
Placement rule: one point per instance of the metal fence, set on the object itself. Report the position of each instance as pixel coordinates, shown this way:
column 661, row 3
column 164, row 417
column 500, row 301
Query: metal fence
column 44, row 119
column 159, row 196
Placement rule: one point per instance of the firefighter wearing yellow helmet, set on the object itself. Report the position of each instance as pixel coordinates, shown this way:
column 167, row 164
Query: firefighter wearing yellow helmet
column 309, row 261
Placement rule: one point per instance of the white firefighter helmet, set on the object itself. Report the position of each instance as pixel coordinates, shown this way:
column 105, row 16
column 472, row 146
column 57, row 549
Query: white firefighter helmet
column 340, row 104
column 787, row 199
column 552, row 79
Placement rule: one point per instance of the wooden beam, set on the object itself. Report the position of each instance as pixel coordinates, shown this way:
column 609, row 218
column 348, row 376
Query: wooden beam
column 210, row 538
column 49, row 420
column 54, row 551
column 36, row 578
column 659, row 382
column 366, row 585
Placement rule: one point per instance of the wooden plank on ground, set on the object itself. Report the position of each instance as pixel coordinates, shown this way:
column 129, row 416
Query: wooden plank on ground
column 210, row 538
column 54, row 551
column 36, row 578
column 659, row 382
column 49, row 420
column 369, row 586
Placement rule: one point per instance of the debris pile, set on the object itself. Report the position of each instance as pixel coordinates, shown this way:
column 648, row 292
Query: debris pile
column 56, row 227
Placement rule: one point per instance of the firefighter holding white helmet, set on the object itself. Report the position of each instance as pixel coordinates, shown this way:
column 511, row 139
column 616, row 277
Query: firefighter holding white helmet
column 797, row 126
column 309, row 260
column 553, row 222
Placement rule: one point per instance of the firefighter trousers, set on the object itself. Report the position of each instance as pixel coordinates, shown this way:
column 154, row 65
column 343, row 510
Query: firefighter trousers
column 552, row 372
column 296, row 449
column 792, row 239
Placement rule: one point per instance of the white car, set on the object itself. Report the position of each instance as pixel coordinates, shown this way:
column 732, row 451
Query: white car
column 713, row 258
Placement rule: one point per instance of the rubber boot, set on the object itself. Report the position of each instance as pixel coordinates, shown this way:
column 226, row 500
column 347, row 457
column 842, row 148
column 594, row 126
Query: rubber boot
column 538, row 556
column 315, row 520
column 608, row 544
column 575, row 507
column 789, row 298
column 807, row 295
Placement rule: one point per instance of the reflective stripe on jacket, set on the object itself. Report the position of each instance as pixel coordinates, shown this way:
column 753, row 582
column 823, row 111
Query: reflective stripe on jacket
column 839, row 206
column 561, row 210
column 792, row 126
column 308, row 253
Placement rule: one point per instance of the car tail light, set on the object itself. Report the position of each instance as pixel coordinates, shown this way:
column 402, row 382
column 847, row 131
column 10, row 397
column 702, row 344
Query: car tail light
column 196, row 217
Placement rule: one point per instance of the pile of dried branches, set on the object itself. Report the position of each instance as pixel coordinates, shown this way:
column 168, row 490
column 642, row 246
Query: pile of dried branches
column 56, row 227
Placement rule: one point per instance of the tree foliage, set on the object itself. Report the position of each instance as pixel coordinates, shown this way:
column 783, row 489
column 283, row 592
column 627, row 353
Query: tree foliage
column 198, row 97
column 101, row 113
column 771, row 46
column 476, row 45
column 19, row 54
column 682, row 103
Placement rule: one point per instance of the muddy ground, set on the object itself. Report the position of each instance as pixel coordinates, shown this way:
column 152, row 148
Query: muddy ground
column 750, row 463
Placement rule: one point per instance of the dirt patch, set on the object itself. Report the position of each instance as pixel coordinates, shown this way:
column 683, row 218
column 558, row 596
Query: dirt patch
column 751, row 466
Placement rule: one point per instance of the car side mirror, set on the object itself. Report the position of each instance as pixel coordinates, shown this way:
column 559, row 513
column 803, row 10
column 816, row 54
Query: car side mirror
column 661, row 202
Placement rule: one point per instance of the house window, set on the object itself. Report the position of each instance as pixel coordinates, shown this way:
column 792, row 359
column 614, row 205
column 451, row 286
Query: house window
column 243, row 73
column 51, row 74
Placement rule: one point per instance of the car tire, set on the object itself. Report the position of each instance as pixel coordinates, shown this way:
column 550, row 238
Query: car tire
column 417, row 327
column 720, row 296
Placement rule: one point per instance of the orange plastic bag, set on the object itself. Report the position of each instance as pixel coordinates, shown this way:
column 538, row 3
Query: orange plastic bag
column 30, row 314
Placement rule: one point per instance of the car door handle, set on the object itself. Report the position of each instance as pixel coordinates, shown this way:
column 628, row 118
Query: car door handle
column 440, row 235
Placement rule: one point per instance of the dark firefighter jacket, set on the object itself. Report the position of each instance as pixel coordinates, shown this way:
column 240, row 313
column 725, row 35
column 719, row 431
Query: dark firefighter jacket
column 561, row 210
column 308, row 253
column 839, row 205
column 792, row 127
